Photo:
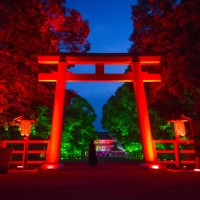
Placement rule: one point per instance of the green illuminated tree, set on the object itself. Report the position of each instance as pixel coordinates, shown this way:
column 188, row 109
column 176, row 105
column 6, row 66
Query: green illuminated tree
column 42, row 127
column 78, row 128
column 172, row 27
column 29, row 28
column 120, row 119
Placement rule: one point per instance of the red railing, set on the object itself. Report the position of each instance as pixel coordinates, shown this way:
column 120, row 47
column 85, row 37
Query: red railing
column 177, row 151
column 19, row 149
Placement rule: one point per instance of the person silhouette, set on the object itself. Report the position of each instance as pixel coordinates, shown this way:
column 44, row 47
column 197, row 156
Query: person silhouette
column 92, row 157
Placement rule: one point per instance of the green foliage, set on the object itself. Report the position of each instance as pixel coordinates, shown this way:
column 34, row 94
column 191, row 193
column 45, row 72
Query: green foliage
column 120, row 119
column 172, row 27
column 78, row 128
column 10, row 133
column 43, row 125
column 161, row 130
column 135, row 150
column 120, row 113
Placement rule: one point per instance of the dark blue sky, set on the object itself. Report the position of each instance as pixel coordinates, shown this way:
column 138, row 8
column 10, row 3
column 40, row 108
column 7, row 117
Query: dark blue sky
column 110, row 29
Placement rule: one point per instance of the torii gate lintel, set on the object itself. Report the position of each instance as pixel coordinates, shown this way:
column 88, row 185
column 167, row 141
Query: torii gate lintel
column 99, row 60
column 99, row 77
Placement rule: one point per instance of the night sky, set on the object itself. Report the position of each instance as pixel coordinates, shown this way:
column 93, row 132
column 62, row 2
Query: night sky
column 110, row 29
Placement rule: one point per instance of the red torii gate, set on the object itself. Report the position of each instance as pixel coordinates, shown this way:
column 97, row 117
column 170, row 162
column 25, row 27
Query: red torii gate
column 63, row 60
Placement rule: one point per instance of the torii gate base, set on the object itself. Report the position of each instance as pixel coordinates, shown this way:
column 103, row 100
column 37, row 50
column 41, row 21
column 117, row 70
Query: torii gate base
column 137, row 76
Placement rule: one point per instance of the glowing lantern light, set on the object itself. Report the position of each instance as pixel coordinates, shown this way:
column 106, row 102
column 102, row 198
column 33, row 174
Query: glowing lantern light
column 150, row 166
column 179, row 131
column 25, row 128
column 179, row 125
column 20, row 166
column 48, row 166
column 25, row 124
column 155, row 167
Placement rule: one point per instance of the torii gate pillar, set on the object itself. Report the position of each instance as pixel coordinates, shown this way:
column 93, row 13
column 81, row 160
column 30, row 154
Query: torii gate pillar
column 53, row 155
column 143, row 116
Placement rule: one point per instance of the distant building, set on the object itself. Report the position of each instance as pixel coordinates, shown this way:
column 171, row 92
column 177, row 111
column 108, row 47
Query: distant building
column 107, row 146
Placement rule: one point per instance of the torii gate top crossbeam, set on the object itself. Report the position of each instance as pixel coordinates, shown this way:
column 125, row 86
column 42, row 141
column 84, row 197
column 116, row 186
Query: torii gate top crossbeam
column 96, row 58
column 99, row 60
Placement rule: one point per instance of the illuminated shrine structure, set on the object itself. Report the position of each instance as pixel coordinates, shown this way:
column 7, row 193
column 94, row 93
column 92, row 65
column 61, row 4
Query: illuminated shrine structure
column 107, row 146
column 104, row 144
column 137, row 76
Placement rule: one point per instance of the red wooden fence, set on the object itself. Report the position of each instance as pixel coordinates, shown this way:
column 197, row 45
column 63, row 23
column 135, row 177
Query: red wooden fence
column 20, row 150
column 177, row 152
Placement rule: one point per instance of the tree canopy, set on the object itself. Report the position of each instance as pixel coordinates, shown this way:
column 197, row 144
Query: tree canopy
column 121, row 120
column 78, row 128
column 29, row 28
column 173, row 28
column 119, row 113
